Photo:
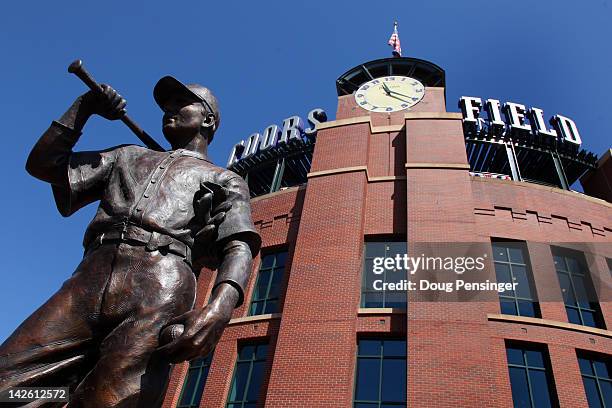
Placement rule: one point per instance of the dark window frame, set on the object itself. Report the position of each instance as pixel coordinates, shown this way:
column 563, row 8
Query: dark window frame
column 380, row 357
column 364, row 290
column 252, row 360
column 587, row 282
column 591, row 357
column 547, row 369
column 196, row 367
column 522, row 246
column 273, row 269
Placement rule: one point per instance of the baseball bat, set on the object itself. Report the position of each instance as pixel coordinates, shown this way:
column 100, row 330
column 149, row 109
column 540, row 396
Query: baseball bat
column 79, row 70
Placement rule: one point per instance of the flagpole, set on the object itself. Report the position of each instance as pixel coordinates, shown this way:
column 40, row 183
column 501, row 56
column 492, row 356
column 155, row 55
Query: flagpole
column 394, row 41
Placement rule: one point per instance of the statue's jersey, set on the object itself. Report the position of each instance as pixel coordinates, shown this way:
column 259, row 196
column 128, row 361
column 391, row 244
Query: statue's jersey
column 153, row 190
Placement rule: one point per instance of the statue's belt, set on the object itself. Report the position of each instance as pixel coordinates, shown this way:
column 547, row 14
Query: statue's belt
column 138, row 236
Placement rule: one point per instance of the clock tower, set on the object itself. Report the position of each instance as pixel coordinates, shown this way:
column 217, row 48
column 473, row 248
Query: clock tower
column 391, row 168
column 387, row 88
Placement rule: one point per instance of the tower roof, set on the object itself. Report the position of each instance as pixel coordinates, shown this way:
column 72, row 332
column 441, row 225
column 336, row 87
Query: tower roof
column 428, row 73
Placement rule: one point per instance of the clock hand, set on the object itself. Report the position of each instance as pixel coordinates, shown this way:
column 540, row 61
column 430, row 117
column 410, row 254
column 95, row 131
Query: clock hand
column 386, row 88
column 391, row 96
column 399, row 93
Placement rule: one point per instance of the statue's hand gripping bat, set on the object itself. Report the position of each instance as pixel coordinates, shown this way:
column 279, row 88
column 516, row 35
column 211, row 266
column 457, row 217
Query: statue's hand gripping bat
column 79, row 70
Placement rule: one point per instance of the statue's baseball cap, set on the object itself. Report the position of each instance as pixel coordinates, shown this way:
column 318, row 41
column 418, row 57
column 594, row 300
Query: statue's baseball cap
column 169, row 85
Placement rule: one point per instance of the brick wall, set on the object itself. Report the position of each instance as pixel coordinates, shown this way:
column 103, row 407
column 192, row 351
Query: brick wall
column 408, row 179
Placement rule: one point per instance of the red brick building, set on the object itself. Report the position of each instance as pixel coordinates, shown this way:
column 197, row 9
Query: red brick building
column 309, row 335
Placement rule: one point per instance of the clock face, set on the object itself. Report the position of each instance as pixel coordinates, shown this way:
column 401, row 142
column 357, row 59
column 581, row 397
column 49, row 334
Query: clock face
column 390, row 94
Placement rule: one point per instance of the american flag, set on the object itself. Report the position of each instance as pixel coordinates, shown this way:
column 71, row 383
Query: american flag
column 394, row 42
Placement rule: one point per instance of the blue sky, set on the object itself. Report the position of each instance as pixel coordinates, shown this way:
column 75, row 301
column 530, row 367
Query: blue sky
column 265, row 61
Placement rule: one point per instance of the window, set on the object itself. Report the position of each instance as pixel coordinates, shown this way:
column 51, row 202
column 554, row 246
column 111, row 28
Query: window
column 371, row 297
column 530, row 377
column 294, row 170
column 261, row 179
column 541, row 168
column 267, row 288
column 595, row 372
column 578, row 294
column 489, row 158
column 195, row 380
column 512, row 265
column 380, row 378
column 248, row 376
column 274, row 174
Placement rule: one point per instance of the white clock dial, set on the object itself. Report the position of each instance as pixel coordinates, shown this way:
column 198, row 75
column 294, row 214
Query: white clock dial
column 390, row 94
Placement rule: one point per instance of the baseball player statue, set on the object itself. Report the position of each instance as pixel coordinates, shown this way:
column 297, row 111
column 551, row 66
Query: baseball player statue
column 158, row 212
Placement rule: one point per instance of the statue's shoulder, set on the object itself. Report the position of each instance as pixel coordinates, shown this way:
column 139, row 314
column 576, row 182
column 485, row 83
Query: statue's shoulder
column 131, row 151
column 215, row 173
column 208, row 171
column 225, row 176
column 132, row 148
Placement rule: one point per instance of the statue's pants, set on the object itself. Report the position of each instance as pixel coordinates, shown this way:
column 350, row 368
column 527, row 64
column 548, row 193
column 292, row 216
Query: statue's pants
column 98, row 334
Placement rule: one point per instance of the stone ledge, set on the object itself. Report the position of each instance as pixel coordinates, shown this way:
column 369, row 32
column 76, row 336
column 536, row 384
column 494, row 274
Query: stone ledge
column 385, row 178
column 279, row 192
column 548, row 323
column 446, row 166
column 336, row 171
column 390, row 128
column 525, row 184
column 257, row 318
column 363, row 311
column 452, row 166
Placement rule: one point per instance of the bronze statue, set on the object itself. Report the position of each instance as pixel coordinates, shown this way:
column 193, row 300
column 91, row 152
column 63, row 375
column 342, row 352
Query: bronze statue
column 100, row 333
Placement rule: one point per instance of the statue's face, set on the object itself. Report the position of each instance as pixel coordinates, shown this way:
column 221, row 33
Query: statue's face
column 183, row 117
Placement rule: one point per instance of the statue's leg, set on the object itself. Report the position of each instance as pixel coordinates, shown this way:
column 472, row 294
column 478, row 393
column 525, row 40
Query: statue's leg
column 52, row 347
column 147, row 289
